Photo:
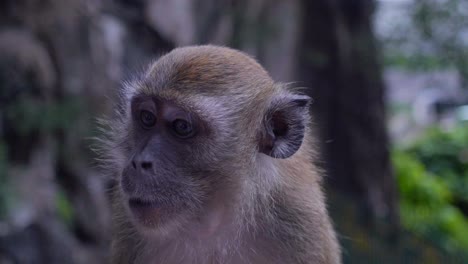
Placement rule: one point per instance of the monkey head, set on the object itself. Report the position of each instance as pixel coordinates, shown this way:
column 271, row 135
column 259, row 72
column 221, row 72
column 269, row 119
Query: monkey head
column 194, row 129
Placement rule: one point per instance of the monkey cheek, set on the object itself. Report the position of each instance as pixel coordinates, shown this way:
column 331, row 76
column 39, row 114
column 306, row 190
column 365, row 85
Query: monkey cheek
column 127, row 186
column 126, row 183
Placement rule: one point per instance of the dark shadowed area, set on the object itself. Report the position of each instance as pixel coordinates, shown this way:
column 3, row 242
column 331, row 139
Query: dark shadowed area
column 389, row 81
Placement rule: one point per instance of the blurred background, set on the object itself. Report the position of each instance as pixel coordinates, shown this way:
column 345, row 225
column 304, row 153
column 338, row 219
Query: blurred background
column 389, row 80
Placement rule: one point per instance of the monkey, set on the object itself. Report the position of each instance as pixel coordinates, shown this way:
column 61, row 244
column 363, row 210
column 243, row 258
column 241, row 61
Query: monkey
column 213, row 162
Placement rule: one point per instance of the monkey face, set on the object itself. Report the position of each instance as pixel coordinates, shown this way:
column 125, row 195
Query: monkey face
column 170, row 172
column 192, row 129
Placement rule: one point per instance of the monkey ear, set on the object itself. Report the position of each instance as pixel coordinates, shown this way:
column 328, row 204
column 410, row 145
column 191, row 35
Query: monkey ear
column 284, row 125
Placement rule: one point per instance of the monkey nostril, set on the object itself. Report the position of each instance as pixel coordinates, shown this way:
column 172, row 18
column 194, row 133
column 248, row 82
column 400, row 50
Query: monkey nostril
column 133, row 164
column 146, row 165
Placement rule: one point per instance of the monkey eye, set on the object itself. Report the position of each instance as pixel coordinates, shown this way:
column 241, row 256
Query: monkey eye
column 182, row 128
column 147, row 119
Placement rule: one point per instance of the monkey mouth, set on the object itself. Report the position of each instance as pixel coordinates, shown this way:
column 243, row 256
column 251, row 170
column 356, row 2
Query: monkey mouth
column 146, row 212
column 136, row 202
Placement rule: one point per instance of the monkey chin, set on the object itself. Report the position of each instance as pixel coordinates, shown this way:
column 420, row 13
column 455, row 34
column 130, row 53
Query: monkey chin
column 155, row 218
column 161, row 220
column 146, row 213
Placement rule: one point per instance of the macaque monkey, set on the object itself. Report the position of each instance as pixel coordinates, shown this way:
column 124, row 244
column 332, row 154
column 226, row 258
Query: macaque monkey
column 214, row 164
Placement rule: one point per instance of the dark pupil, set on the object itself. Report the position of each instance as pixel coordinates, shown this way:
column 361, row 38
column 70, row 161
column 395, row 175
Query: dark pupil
column 147, row 118
column 182, row 127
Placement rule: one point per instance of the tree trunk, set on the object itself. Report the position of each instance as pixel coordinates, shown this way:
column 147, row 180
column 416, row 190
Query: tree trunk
column 339, row 62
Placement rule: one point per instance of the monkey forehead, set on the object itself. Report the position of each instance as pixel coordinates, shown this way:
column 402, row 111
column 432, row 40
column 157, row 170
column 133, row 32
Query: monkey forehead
column 208, row 70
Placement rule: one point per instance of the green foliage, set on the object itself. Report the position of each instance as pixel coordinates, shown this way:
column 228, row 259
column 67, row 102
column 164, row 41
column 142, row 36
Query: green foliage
column 64, row 207
column 446, row 155
column 28, row 116
column 436, row 39
column 396, row 108
column 40, row 115
column 415, row 61
column 433, row 180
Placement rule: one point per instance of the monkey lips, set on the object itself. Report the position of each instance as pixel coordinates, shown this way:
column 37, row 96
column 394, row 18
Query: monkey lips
column 145, row 212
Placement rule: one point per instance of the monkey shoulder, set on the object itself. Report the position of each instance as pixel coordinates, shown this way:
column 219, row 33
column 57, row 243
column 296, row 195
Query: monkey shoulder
column 299, row 233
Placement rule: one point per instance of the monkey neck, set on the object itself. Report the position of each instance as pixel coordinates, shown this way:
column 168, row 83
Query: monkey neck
column 210, row 221
column 233, row 211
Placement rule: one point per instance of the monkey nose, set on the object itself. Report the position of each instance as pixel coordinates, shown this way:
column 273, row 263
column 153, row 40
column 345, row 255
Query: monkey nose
column 142, row 165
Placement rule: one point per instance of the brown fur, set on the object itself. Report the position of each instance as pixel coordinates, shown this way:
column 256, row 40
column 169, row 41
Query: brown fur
column 255, row 208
